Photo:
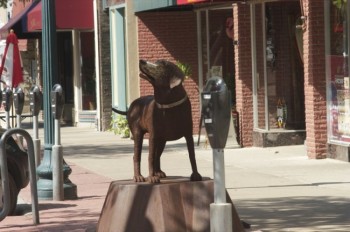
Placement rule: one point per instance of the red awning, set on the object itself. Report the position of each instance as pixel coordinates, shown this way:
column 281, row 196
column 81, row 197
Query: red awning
column 70, row 14
column 17, row 22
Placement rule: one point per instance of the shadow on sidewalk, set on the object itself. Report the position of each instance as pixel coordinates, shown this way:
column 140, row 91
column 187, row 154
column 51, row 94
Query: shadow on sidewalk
column 314, row 213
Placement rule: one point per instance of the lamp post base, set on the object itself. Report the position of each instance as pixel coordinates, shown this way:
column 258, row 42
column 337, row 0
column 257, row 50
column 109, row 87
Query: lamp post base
column 45, row 190
column 45, row 181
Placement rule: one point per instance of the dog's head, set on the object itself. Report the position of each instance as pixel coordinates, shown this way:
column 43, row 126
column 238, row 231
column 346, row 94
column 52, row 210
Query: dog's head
column 162, row 73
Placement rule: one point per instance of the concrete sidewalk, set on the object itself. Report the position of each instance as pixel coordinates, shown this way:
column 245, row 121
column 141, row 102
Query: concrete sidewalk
column 274, row 189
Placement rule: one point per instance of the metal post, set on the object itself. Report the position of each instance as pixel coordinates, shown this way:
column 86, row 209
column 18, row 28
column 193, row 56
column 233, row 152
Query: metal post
column 219, row 176
column 18, row 121
column 49, row 53
column 49, row 58
column 216, row 110
column 7, row 115
column 220, row 210
column 35, row 98
column 57, row 154
column 18, row 99
column 57, row 103
column 7, row 99
column 36, row 140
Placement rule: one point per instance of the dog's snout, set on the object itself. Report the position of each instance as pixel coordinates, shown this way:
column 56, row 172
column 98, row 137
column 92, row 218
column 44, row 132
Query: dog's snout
column 143, row 62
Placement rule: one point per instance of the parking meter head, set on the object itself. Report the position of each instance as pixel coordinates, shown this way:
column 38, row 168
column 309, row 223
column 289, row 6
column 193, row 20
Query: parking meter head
column 18, row 99
column 35, row 99
column 216, row 111
column 57, row 101
column 7, row 98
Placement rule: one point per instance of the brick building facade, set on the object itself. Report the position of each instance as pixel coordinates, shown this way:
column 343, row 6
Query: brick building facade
column 171, row 39
column 315, row 85
column 295, row 76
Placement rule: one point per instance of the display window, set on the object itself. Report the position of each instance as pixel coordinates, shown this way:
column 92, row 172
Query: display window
column 277, row 66
column 337, row 70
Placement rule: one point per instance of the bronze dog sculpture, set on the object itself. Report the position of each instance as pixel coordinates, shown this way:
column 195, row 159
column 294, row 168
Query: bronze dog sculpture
column 166, row 116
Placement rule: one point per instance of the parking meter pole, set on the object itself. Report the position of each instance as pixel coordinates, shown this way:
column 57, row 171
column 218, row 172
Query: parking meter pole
column 7, row 115
column 219, row 176
column 35, row 98
column 19, row 125
column 18, row 100
column 57, row 154
column 57, row 103
column 7, row 100
column 36, row 140
column 220, row 210
column 216, row 112
column 18, row 121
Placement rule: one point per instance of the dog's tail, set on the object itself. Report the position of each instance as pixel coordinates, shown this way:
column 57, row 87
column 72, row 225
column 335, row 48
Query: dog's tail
column 114, row 109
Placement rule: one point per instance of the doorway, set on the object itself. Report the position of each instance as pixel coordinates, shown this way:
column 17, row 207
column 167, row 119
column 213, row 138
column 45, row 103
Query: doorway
column 216, row 51
column 278, row 74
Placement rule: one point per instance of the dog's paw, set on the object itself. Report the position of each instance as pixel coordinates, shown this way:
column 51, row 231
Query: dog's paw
column 139, row 178
column 153, row 179
column 160, row 174
column 196, row 177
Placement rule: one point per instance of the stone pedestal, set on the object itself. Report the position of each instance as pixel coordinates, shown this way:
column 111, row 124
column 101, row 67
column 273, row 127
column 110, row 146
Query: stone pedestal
column 176, row 204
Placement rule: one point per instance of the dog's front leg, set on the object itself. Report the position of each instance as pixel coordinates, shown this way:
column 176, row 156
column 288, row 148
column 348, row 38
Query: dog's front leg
column 137, row 158
column 158, row 152
column 152, row 178
column 190, row 147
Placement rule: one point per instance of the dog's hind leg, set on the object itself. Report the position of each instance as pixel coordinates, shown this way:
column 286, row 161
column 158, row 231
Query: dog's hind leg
column 190, row 147
column 138, row 139
column 158, row 152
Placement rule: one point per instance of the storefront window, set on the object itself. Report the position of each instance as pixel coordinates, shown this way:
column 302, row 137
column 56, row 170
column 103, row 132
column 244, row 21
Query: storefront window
column 337, row 66
column 278, row 78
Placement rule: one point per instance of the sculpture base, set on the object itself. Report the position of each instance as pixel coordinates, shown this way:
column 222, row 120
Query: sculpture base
column 176, row 204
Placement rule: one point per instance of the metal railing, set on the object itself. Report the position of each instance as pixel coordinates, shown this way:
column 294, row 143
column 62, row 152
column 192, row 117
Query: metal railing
column 32, row 173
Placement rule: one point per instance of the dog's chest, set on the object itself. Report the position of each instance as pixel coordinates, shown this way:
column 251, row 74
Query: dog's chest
column 171, row 119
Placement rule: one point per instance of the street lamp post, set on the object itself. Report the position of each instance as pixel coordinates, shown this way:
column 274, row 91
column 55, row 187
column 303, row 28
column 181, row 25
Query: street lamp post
column 49, row 63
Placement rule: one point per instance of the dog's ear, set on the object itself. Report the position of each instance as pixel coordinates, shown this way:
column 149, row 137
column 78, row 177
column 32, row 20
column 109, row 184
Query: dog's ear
column 175, row 81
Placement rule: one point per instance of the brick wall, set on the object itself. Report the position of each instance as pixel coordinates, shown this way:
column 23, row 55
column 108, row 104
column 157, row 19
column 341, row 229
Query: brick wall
column 315, row 81
column 171, row 36
column 243, row 66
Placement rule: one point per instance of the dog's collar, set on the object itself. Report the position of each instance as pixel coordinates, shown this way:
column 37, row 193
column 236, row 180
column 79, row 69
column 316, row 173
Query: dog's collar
column 171, row 105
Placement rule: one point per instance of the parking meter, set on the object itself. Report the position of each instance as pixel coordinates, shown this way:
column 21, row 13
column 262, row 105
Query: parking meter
column 35, row 98
column 18, row 99
column 57, row 101
column 7, row 98
column 216, row 111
